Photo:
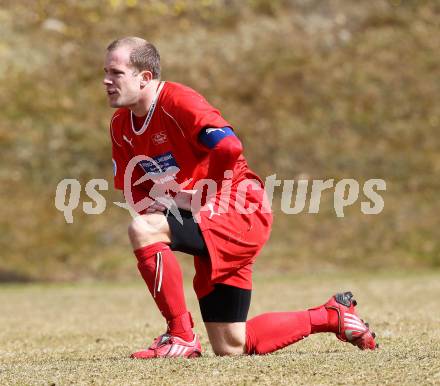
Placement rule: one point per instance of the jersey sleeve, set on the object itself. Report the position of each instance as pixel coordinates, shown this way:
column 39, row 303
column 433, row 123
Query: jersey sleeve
column 194, row 113
column 119, row 156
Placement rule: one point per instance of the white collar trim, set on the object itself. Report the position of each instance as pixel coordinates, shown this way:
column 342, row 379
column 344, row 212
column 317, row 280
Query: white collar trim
column 149, row 114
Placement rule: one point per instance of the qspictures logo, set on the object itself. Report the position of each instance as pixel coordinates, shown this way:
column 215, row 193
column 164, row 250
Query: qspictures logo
column 216, row 198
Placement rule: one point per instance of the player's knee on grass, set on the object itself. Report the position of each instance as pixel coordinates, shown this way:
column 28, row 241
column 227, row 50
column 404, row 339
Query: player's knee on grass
column 227, row 339
column 149, row 229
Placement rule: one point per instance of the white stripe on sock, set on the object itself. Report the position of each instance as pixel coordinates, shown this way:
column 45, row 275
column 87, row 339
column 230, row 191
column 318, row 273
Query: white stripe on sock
column 159, row 286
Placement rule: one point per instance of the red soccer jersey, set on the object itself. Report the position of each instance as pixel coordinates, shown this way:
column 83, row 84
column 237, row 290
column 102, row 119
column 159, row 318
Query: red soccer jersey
column 169, row 137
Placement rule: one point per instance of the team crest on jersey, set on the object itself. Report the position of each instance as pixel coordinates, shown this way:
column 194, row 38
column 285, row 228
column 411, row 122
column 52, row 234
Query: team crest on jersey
column 159, row 138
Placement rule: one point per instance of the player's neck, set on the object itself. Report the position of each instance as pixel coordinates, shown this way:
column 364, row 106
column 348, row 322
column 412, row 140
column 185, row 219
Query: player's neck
column 141, row 108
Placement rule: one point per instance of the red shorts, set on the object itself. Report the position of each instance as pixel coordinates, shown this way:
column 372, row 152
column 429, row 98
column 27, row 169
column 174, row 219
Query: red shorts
column 204, row 284
column 224, row 243
column 233, row 240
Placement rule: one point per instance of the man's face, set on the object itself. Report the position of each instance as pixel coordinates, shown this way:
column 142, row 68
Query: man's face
column 121, row 79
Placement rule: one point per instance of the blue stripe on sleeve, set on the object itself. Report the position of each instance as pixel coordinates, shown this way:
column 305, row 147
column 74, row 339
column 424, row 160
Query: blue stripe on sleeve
column 211, row 136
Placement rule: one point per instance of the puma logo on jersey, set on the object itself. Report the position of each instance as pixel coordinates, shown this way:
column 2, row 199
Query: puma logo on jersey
column 209, row 131
column 129, row 141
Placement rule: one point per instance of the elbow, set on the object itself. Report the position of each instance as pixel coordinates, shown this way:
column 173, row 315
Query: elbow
column 231, row 148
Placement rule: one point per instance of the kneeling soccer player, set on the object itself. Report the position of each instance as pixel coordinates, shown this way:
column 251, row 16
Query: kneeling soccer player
column 172, row 132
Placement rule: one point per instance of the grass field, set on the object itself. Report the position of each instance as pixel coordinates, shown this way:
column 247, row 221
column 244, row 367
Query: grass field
column 83, row 334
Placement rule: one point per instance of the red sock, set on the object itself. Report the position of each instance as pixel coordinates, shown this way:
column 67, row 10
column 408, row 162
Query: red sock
column 323, row 320
column 161, row 272
column 270, row 332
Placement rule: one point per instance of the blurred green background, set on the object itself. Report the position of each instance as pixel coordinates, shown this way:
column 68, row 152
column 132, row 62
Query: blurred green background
column 316, row 89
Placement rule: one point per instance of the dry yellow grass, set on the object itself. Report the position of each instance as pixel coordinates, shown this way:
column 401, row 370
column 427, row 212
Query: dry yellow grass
column 83, row 334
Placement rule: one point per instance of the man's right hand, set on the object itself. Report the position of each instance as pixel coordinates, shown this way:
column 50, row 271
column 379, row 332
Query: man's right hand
column 156, row 207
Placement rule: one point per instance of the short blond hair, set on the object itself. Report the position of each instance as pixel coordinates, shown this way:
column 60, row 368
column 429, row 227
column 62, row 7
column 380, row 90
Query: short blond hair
column 143, row 55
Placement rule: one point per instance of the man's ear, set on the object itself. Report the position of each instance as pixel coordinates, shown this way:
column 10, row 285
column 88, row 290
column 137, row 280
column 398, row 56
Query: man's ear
column 147, row 76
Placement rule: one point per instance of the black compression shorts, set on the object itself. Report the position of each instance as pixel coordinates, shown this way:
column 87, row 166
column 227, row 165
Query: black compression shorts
column 186, row 236
column 225, row 304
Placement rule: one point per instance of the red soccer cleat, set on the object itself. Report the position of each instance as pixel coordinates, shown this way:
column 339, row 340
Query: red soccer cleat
column 351, row 328
column 168, row 346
